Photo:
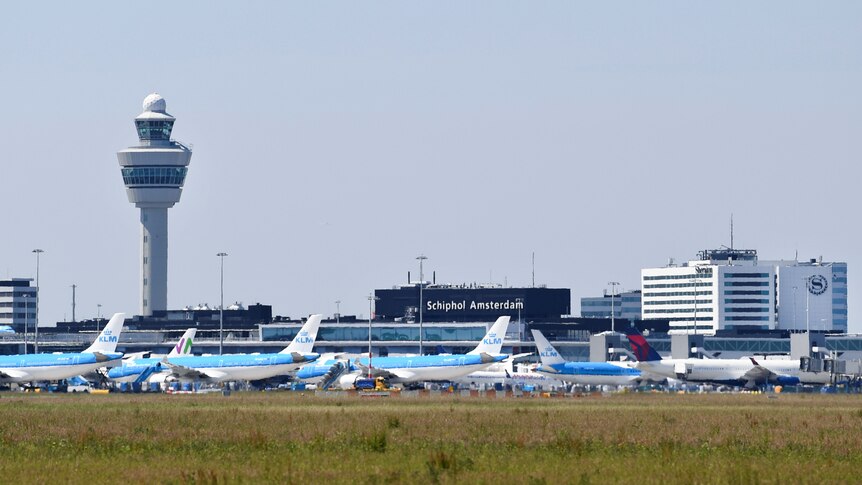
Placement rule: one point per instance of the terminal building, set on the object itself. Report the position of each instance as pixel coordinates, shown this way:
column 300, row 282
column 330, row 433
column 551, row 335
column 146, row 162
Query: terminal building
column 728, row 289
column 623, row 305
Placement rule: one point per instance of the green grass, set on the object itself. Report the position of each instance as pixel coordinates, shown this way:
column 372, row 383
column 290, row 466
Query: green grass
column 294, row 438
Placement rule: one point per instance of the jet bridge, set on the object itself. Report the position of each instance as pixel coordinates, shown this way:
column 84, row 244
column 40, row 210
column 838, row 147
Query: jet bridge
column 685, row 346
column 603, row 346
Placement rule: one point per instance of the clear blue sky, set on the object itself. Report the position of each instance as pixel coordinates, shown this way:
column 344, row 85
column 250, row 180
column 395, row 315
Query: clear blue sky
column 334, row 142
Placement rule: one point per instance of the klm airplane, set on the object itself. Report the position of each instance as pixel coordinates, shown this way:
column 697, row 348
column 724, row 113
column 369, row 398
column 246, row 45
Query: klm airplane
column 434, row 367
column 234, row 367
column 52, row 367
column 582, row 373
column 139, row 368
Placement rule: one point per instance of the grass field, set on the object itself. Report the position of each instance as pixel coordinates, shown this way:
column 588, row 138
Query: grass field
column 293, row 438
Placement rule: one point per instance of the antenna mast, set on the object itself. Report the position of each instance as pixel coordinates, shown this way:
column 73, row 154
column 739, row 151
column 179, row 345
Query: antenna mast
column 534, row 269
column 731, row 230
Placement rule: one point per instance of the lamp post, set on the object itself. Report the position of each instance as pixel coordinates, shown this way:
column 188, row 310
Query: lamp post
column 421, row 259
column 698, row 270
column 74, row 287
column 38, row 290
column 98, row 315
column 808, row 304
column 794, row 307
column 337, row 310
column 221, row 307
column 519, row 303
column 613, row 292
column 371, row 300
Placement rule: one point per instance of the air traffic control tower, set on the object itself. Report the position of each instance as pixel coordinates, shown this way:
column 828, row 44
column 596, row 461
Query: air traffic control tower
column 154, row 172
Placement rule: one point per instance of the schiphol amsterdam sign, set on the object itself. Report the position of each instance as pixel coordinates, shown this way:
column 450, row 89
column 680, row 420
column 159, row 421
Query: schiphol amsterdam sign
column 462, row 305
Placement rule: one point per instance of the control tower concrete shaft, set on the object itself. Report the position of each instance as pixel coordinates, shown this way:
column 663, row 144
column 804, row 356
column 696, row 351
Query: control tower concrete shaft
column 154, row 173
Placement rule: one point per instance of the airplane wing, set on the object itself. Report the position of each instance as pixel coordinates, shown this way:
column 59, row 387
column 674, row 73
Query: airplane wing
column 14, row 375
column 184, row 372
column 757, row 375
column 378, row 372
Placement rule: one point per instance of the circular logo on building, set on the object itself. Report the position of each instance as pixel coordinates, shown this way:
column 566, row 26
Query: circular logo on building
column 817, row 284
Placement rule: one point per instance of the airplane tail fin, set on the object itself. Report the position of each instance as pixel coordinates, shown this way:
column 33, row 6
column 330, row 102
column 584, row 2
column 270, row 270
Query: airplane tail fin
column 107, row 340
column 492, row 343
column 547, row 352
column 640, row 347
column 304, row 340
column 184, row 346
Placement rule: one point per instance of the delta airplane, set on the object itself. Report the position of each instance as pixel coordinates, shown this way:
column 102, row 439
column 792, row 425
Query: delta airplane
column 139, row 369
column 234, row 367
column 419, row 368
column 745, row 372
column 582, row 373
column 52, row 367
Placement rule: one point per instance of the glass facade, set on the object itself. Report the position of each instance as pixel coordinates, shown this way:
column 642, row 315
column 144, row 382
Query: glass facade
column 678, row 302
column 678, row 293
column 173, row 176
column 380, row 333
column 679, row 310
column 706, row 274
column 699, row 284
column 154, row 129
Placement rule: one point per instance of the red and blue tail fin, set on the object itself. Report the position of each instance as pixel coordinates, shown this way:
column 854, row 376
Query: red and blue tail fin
column 640, row 347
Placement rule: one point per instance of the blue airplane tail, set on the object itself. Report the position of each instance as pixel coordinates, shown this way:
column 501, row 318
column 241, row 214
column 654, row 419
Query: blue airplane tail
column 640, row 347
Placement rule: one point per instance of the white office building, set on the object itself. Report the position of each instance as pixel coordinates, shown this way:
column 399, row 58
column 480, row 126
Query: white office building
column 812, row 295
column 18, row 303
column 732, row 289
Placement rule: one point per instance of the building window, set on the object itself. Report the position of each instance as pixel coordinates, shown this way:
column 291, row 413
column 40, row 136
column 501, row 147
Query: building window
column 154, row 175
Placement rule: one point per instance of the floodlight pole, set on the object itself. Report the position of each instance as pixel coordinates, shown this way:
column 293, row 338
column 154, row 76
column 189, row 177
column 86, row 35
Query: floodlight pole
column 613, row 292
column 221, row 308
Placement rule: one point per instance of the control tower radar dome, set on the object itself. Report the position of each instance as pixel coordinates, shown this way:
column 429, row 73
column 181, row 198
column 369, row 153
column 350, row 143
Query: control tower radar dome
column 155, row 102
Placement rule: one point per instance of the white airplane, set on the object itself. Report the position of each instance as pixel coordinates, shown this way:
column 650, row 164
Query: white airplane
column 745, row 372
column 52, row 367
column 139, row 368
column 523, row 376
column 235, row 367
column 420, row 368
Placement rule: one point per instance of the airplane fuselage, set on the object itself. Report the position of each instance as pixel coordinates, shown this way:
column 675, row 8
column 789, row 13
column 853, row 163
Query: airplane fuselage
column 490, row 378
column 728, row 371
column 239, row 366
column 592, row 373
column 51, row 367
column 431, row 367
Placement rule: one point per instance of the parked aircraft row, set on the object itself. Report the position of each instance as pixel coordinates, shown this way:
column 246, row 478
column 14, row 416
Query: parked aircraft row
column 480, row 365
